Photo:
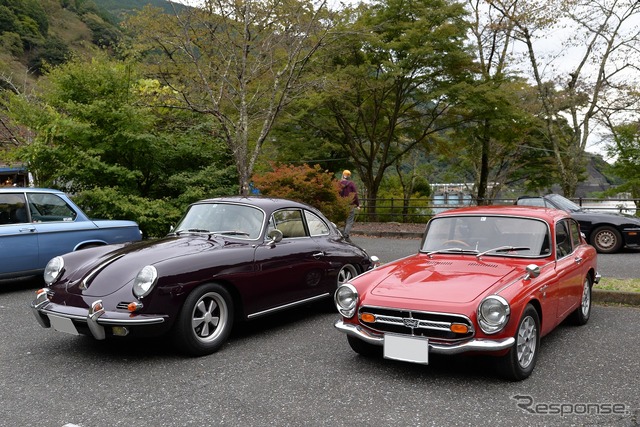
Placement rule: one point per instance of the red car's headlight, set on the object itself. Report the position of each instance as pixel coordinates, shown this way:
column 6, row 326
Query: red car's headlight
column 346, row 299
column 493, row 314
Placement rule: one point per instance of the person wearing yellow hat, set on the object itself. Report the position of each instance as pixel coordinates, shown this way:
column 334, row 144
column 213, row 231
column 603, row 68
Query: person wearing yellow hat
column 347, row 188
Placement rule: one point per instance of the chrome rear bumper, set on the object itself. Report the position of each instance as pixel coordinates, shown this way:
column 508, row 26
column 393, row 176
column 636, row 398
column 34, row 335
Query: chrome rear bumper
column 484, row 345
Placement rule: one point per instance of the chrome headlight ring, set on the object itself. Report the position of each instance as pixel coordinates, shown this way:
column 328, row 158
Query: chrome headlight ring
column 145, row 281
column 53, row 270
column 346, row 300
column 493, row 314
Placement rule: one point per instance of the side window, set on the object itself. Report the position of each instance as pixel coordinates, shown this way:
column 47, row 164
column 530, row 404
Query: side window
column 532, row 201
column 290, row 223
column 13, row 209
column 563, row 240
column 575, row 233
column 317, row 227
column 49, row 207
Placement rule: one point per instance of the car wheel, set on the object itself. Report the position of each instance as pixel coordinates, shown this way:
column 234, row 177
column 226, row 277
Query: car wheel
column 581, row 315
column 346, row 274
column 521, row 359
column 364, row 348
column 205, row 321
column 606, row 239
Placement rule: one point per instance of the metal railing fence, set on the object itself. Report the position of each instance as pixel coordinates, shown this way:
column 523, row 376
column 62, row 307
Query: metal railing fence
column 421, row 210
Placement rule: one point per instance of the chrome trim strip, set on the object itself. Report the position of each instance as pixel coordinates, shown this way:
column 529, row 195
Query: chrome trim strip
column 472, row 345
column 291, row 304
column 438, row 313
column 92, row 273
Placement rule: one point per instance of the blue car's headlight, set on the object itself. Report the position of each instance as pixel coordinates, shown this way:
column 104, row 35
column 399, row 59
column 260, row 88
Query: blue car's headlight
column 53, row 270
column 493, row 314
column 346, row 299
column 145, row 281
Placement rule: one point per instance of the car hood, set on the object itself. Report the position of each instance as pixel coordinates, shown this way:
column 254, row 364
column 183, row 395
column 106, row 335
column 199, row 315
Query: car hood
column 101, row 272
column 449, row 281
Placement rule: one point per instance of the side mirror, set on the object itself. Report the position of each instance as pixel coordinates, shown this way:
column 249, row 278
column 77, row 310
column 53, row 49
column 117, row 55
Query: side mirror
column 532, row 271
column 274, row 236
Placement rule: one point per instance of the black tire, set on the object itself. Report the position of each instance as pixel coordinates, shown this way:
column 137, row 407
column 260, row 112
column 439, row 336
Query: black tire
column 581, row 315
column 364, row 348
column 521, row 359
column 606, row 239
column 205, row 320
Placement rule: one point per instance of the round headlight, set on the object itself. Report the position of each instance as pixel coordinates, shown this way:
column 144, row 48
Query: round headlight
column 493, row 314
column 53, row 270
column 346, row 299
column 144, row 281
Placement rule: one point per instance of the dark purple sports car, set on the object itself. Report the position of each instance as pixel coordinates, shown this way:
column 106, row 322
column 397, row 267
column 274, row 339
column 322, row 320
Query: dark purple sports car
column 228, row 259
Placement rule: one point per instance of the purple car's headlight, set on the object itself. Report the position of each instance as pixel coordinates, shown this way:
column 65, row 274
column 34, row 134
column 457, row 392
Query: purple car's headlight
column 53, row 270
column 346, row 299
column 145, row 281
column 493, row 314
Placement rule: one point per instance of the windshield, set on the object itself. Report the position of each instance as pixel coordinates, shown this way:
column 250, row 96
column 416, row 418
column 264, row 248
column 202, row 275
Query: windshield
column 241, row 221
column 564, row 203
column 487, row 235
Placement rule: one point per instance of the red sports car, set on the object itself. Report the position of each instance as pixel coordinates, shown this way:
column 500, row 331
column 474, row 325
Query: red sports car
column 491, row 280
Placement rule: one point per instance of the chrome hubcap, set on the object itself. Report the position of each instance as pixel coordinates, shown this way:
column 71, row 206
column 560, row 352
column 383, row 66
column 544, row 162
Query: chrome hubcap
column 586, row 299
column 346, row 274
column 209, row 317
column 526, row 341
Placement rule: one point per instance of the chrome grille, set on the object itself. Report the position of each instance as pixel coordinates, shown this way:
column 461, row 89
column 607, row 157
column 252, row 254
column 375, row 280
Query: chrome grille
column 418, row 323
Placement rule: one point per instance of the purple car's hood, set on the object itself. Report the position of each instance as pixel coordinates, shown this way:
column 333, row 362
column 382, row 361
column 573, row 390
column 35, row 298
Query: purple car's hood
column 101, row 272
column 419, row 278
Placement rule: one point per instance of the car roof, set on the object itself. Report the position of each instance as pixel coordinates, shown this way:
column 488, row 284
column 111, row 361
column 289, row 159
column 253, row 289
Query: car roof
column 259, row 201
column 29, row 190
column 547, row 214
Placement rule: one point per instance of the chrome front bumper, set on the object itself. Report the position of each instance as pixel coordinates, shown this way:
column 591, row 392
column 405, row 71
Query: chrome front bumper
column 96, row 318
column 485, row 345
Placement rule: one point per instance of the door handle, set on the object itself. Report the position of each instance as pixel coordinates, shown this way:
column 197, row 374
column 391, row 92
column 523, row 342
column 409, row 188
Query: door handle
column 578, row 260
column 29, row 229
column 318, row 255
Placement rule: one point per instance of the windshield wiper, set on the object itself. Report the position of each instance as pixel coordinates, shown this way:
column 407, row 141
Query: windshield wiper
column 456, row 250
column 504, row 249
column 232, row 233
column 192, row 230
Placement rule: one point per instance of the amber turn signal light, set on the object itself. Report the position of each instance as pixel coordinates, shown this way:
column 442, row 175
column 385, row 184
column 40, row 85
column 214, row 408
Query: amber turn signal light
column 459, row 328
column 368, row 317
column 134, row 306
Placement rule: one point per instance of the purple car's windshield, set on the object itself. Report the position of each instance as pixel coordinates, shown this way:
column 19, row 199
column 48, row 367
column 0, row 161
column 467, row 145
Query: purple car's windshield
column 494, row 235
column 242, row 221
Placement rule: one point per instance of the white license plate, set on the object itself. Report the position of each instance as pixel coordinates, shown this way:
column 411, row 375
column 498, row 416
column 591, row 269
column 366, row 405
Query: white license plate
column 63, row 324
column 406, row 349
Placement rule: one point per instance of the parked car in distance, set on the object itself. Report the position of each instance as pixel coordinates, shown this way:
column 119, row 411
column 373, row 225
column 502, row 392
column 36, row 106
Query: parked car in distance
column 608, row 232
column 37, row 224
column 492, row 280
column 228, row 259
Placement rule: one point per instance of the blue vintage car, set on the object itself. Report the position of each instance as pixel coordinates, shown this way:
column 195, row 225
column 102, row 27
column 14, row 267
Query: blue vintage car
column 38, row 224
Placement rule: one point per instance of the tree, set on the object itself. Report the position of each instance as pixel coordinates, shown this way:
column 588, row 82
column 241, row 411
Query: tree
column 96, row 138
column 238, row 62
column 388, row 81
column 624, row 145
column 603, row 35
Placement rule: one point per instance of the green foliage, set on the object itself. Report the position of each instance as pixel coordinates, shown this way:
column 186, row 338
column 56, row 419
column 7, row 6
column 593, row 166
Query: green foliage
column 155, row 216
column 306, row 184
column 625, row 147
column 96, row 138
